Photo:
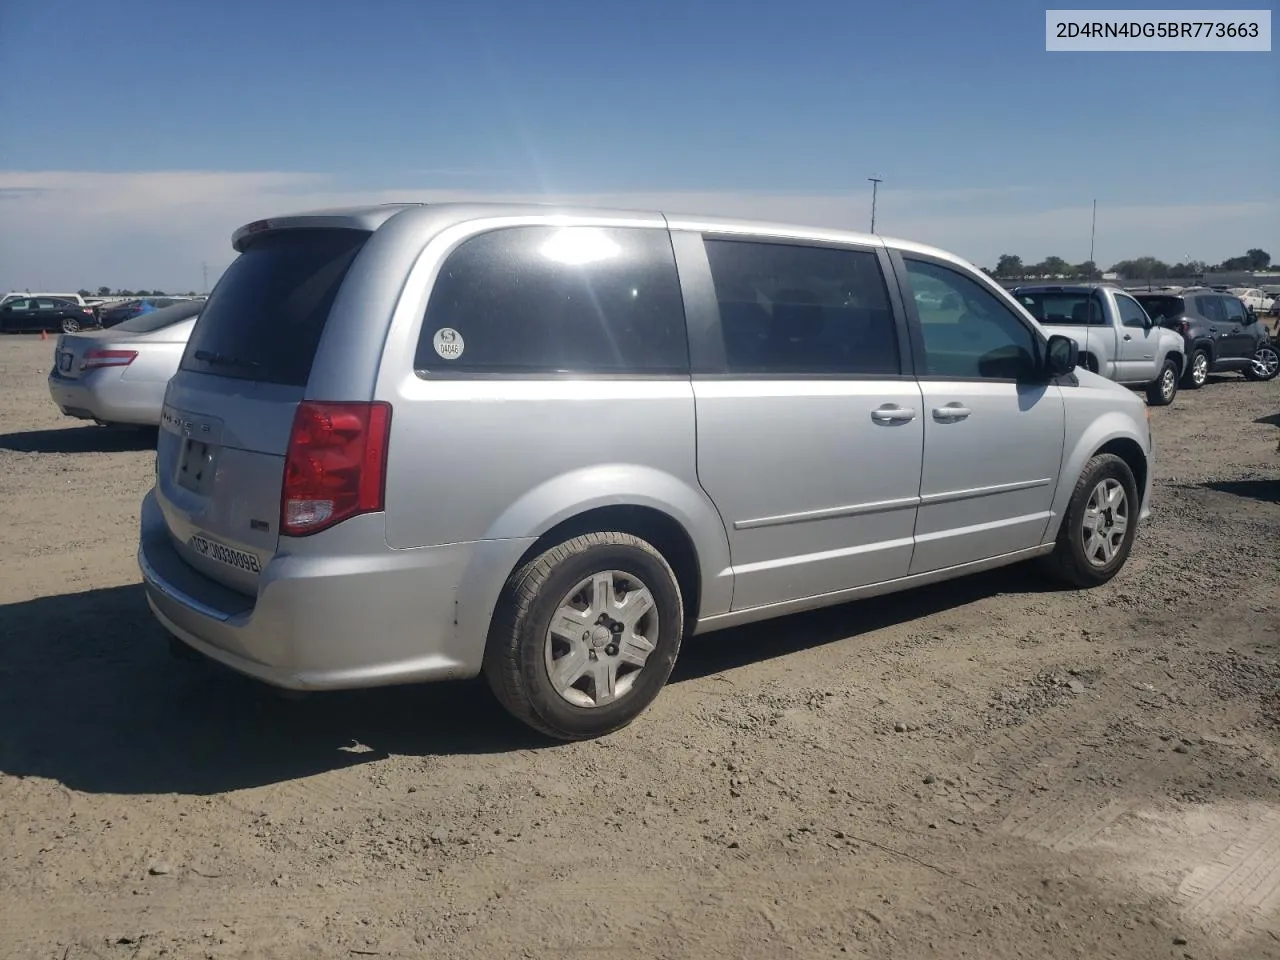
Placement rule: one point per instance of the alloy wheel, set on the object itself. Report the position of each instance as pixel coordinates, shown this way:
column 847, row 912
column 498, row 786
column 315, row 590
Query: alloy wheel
column 1200, row 370
column 1266, row 361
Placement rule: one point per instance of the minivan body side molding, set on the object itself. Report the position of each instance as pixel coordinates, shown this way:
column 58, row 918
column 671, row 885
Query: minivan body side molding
column 827, row 513
column 767, row 611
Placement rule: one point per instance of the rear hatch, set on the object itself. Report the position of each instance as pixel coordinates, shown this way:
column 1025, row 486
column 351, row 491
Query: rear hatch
column 228, row 412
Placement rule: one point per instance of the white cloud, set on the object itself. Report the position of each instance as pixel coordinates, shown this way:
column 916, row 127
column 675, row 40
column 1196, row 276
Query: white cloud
column 67, row 229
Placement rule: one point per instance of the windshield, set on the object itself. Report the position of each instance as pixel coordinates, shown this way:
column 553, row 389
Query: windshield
column 1161, row 309
column 1078, row 309
column 164, row 317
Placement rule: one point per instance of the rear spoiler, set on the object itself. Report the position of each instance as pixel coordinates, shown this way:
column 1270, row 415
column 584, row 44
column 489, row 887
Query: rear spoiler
column 365, row 219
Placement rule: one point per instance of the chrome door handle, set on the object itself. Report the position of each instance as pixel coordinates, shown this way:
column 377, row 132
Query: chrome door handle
column 892, row 413
column 951, row 413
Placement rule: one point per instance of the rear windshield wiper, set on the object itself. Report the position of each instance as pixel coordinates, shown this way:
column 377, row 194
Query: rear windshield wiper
column 222, row 360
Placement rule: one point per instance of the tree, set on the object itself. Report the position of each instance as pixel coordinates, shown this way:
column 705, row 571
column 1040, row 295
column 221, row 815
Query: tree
column 1258, row 259
column 84, row 293
column 104, row 291
column 1009, row 266
column 1087, row 271
column 1052, row 267
column 1143, row 268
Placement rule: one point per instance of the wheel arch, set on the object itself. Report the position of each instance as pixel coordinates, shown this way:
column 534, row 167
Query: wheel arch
column 1115, row 432
column 659, row 529
column 1130, row 451
column 674, row 514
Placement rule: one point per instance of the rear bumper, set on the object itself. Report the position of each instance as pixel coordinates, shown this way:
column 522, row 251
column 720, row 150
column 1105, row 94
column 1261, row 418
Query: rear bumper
column 332, row 621
column 104, row 395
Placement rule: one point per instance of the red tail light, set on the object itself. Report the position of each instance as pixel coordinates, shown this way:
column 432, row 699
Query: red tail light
column 107, row 358
column 1184, row 327
column 336, row 465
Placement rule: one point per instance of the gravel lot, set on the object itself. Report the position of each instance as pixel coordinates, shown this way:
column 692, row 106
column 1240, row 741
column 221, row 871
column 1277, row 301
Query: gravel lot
column 984, row 769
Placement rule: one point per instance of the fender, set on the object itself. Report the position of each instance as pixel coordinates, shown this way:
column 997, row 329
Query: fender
column 578, row 491
column 1113, row 425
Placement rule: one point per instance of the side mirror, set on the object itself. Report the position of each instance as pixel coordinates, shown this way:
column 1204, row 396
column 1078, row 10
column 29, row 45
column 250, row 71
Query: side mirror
column 1061, row 356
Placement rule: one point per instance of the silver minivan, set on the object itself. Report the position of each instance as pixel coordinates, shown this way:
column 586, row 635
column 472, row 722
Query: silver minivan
column 422, row 442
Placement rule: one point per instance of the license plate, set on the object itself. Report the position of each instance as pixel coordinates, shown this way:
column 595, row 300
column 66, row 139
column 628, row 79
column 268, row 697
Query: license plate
column 64, row 362
column 230, row 556
column 195, row 466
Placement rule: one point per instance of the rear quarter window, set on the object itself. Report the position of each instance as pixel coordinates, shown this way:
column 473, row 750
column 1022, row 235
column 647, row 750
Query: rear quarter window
column 264, row 319
column 552, row 300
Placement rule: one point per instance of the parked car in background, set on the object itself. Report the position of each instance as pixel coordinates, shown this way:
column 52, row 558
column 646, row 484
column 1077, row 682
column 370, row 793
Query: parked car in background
column 411, row 443
column 41, row 313
column 1116, row 336
column 1220, row 334
column 116, row 313
column 1254, row 299
column 75, row 298
column 118, row 376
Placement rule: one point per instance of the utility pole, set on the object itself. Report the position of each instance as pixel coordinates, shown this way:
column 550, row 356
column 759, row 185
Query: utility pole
column 875, row 184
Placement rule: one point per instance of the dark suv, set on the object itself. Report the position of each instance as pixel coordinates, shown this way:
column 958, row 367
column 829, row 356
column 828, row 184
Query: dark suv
column 1222, row 334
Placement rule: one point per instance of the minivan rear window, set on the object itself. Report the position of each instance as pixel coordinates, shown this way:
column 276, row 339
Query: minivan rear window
column 264, row 318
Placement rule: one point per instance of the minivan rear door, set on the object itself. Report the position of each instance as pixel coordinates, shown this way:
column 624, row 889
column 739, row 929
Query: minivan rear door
column 229, row 410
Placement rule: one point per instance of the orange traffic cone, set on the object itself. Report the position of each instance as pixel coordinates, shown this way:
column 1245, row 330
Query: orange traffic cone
column 44, row 335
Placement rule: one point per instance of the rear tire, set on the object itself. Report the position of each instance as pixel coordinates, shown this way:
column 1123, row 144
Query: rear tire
column 1162, row 390
column 1264, row 364
column 1197, row 371
column 600, row 687
column 70, row 326
column 1092, row 546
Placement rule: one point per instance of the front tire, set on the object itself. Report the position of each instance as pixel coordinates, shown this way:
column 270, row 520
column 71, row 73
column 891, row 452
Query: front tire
column 1197, row 371
column 1099, row 525
column 1264, row 364
column 585, row 636
column 1162, row 390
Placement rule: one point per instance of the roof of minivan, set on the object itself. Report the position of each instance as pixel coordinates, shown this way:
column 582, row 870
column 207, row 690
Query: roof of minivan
column 374, row 216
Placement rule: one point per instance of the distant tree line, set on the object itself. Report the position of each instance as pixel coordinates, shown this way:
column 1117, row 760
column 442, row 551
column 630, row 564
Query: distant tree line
column 1011, row 267
column 108, row 292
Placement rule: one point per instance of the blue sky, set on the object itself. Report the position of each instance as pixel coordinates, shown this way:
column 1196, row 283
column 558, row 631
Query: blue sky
column 166, row 124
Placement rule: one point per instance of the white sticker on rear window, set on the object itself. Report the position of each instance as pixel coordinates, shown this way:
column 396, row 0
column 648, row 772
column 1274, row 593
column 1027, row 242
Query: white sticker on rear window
column 448, row 343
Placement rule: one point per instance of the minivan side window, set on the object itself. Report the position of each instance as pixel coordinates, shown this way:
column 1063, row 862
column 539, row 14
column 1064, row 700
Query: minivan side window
column 970, row 334
column 802, row 310
column 557, row 300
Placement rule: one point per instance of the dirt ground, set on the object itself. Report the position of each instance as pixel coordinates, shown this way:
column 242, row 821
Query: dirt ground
column 985, row 769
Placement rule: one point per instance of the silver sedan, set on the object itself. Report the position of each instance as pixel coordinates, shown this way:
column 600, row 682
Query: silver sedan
column 119, row 375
